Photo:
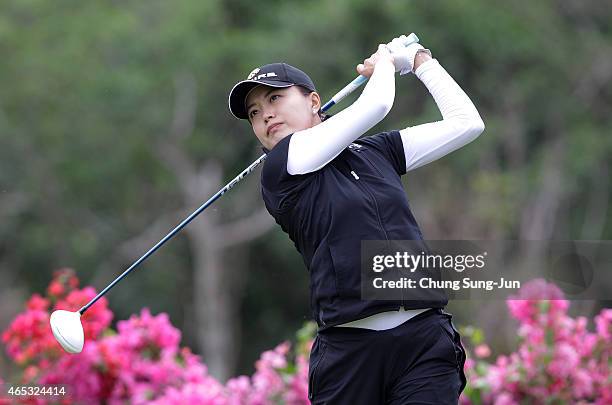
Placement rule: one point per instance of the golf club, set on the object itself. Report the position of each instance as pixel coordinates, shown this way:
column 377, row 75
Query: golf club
column 66, row 325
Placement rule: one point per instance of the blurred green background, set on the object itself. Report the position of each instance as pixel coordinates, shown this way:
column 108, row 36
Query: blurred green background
column 114, row 126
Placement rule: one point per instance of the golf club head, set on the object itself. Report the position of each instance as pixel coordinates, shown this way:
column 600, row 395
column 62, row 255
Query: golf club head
column 68, row 331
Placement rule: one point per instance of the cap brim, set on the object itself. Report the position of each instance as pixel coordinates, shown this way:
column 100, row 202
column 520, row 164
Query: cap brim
column 240, row 91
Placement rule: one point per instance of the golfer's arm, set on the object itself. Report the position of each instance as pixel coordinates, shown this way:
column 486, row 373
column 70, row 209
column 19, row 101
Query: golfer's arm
column 460, row 123
column 313, row 148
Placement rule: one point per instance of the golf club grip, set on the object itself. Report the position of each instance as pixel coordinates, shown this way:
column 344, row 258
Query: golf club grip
column 348, row 89
column 359, row 80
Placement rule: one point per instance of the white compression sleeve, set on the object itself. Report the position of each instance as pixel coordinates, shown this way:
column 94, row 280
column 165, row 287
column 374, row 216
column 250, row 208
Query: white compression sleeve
column 312, row 148
column 461, row 122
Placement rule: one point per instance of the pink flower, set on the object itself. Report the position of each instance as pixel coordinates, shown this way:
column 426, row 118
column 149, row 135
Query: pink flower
column 209, row 393
column 63, row 282
column 602, row 324
column 505, row 399
column 28, row 338
column 586, row 345
column 521, row 310
column 469, row 364
column 80, row 373
column 582, row 385
column 496, row 377
column 55, row 289
column 557, row 358
column 275, row 358
column 37, row 303
column 267, row 381
column 537, row 299
column 149, row 334
column 565, row 359
column 482, row 351
column 538, row 289
column 297, row 393
column 238, row 389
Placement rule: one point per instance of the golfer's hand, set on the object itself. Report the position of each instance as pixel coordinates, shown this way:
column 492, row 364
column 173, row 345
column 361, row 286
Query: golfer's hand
column 382, row 55
column 407, row 58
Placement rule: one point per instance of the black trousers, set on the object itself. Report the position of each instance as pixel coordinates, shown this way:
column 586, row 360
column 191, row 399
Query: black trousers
column 418, row 362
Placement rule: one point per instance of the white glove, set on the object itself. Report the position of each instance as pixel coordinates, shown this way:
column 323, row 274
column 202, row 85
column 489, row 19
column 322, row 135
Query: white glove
column 403, row 56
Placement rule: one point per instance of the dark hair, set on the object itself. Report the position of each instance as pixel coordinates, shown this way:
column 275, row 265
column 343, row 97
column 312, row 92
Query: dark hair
column 323, row 116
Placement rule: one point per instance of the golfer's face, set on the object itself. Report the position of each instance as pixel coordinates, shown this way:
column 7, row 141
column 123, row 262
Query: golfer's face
column 275, row 113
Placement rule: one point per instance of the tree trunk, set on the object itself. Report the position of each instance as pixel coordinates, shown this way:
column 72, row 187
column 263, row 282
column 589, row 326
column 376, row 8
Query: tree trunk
column 214, row 307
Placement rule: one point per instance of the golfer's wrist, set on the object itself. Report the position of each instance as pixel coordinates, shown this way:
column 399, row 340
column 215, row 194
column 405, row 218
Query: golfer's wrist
column 422, row 56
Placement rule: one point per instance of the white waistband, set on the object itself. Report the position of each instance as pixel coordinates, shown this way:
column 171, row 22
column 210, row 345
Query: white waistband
column 384, row 320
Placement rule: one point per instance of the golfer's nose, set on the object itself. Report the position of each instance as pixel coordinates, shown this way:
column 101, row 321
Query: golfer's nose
column 268, row 113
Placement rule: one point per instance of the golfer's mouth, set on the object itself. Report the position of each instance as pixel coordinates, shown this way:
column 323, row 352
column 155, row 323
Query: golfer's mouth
column 273, row 128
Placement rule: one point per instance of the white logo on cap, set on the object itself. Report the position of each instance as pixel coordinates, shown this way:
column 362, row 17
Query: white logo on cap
column 264, row 75
column 253, row 73
column 261, row 76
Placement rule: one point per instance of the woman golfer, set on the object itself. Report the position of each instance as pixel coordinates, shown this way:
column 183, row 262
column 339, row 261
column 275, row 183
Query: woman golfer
column 328, row 189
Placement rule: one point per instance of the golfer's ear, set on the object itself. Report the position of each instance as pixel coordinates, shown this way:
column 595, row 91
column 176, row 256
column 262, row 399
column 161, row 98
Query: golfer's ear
column 315, row 100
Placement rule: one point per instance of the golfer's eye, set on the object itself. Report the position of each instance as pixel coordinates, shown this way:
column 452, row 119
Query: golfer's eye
column 274, row 97
column 253, row 113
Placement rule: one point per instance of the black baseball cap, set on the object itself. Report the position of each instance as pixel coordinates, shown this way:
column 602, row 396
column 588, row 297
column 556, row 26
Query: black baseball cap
column 274, row 75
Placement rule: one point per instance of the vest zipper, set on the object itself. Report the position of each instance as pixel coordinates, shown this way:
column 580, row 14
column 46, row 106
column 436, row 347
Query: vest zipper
column 367, row 190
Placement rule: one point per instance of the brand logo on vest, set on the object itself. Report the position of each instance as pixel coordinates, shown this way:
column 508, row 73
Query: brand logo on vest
column 354, row 146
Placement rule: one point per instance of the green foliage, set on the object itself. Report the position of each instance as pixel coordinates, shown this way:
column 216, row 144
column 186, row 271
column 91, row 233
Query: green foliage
column 473, row 334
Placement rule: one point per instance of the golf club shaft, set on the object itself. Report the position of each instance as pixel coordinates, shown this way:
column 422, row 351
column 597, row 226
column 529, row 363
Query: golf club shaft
column 359, row 80
column 180, row 226
column 348, row 89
